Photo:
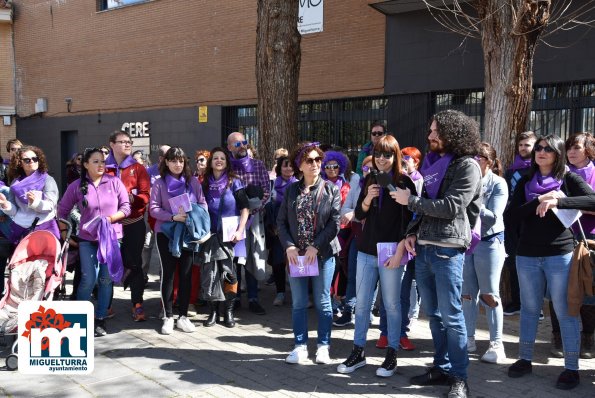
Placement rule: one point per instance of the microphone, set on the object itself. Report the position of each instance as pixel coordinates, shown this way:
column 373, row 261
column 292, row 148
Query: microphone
column 374, row 180
column 384, row 180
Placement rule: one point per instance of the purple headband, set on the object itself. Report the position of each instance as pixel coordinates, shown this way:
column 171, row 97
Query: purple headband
column 298, row 158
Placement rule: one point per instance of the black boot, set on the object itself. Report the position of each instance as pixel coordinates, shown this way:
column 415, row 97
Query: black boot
column 213, row 314
column 228, row 320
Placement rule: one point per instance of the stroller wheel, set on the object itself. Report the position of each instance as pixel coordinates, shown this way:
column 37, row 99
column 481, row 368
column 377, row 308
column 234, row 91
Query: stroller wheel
column 12, row 362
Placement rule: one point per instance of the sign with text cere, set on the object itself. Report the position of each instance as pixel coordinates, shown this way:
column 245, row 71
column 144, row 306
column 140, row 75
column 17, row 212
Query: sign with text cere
column 139, row 132
column 310, row 19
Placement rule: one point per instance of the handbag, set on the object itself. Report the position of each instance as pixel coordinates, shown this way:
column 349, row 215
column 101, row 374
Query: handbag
column 582, row 272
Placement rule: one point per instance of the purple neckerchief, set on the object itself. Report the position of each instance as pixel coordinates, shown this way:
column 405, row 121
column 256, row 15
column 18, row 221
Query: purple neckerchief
column 338, row 182
column 217, row 186
column 586, row 172
column 300, row 155
column 175, row 187
column 111, row 163
column 519, row 163
column 108, row 250
column 415, row 175
column 433, row 169
column 244, row 163
column 280, row 186
column 540, row 185
column 22, row 185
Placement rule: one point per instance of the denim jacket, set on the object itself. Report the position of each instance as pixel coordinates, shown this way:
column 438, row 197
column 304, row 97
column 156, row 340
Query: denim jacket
column 449, row 217
column 188, row 235
column 495, row 197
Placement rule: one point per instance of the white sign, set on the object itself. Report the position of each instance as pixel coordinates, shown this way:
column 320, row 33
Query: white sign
column 136, row 129
column 310, row 18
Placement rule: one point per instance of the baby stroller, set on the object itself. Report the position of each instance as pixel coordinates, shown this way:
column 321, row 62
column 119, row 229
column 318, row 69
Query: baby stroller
column 37, row 269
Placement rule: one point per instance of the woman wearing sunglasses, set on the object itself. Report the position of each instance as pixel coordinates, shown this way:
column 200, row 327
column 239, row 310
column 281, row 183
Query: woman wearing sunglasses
column 308, row 224
column 73, row 168
column 385, row 221
column 545, row 249
column 201, row 157
column 334, row 165
column 33, row 194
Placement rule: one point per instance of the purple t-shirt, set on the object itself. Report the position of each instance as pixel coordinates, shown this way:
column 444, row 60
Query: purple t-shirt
column 229, row 203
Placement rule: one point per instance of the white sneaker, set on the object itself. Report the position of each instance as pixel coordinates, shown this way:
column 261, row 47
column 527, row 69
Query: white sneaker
column 279, row 300
column 185, row 324
column 322, row 354
column 471, row 347
column 494, row 354
column 168, row 326
column 298, row 355
column 192, row 310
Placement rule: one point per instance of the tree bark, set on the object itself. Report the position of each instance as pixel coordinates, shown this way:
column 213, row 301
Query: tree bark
column 278, row 59
column 509, row 35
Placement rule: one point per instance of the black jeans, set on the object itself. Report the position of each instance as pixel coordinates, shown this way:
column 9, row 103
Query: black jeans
column 279, row 276
column 168, row 269
column 132, row 250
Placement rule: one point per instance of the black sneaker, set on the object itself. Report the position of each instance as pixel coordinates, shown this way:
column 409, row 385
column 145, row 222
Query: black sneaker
column 270, row 281
column 512, row 309
column 100, row 329
column 344, row 320
column 568, row 379
column 520, row 368
column 256, row 308
column 389, row 366
column 458, row 388
column 356, row 360
column 433, row 377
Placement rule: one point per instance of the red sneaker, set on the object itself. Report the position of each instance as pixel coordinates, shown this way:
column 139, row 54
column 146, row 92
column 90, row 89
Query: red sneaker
column 138, row 314
column 406, row 344
column 382, row 342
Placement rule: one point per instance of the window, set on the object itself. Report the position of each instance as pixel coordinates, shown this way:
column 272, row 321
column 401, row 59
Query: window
column 103, row 5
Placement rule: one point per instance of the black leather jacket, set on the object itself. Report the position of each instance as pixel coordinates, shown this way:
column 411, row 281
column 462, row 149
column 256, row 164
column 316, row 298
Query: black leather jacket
column 327, row 218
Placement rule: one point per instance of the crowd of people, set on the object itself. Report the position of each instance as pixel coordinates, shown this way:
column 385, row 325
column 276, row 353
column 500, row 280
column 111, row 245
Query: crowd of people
column 403, row 229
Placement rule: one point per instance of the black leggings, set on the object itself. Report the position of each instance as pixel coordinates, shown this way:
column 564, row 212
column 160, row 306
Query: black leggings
column 132, row 250
column 279, row 276
column 168, row 269
column 587, row 318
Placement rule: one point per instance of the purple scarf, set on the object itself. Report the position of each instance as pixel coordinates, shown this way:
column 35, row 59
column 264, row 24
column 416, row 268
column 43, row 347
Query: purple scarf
column 338, row 183
column 244, row 163
column 217, row 186
column 111, row 163
column 22, row 185
column 519, row 163
column 415, row 175
column 433, row 169
column 175, row 187
column 540, row 185
column 281, row 185
column 586, row 172
column 108, row 250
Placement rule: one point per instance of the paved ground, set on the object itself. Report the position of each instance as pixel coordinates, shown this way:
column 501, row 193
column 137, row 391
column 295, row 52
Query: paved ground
column 248, row 361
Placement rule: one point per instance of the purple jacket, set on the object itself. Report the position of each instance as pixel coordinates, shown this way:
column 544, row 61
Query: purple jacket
column 159, row 207
column 109, row 197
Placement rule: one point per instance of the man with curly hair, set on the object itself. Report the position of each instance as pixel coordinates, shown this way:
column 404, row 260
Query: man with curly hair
column 446, row 210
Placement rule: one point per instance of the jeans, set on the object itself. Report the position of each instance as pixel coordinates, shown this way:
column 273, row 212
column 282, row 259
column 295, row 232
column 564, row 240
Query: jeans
column 321, row 285
column 350, row 297
column 92, row 272
column 534, row 274
column 481, row 275
column 368, row 274
column 251, row 282
column 439, row 276
column 406, row 293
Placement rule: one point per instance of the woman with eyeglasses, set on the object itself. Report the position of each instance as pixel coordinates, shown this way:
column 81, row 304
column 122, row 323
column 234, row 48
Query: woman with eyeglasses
column 176, row 181
column 201, row 157
column 483, row 265
column 385, row 221
column 73, row 168
column 308, row 224
column 105, row 151
column 545, row 249
column 33, row 194
column 102, row 200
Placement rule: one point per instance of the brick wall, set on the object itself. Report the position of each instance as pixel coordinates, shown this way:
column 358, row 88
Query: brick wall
column 7, row 99
column 179, row 53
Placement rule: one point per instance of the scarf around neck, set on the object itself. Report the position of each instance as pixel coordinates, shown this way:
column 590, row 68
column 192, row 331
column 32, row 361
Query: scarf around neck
column 415, row 175
column 246, row 164
column 175, row 187
column 22, row 185
column 433, row 170
column 217, row 186
column 585, row 172
column 280, row 186
column 111, row 163
column 519, row 163
column 539, row 185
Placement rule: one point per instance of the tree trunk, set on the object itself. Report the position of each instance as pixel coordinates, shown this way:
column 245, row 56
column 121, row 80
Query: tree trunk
column 509, row 35
column 278, row 60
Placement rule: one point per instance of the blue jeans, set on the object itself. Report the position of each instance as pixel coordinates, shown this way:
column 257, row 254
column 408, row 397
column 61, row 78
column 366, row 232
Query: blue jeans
column 92, row 272
column 350, row 295
column 406, row 290
column 368, row 274
column 439, row 276
column 321, row 293
column 534, row 274
column 251, row 282
column 481, row 275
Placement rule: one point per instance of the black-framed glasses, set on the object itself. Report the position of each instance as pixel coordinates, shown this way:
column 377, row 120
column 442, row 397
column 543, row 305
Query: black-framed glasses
column 386, row 155
column 200, row 160
column 125, row 142
column 331, row 166
column 240, row 143
column 547, row 149
column 33, row 159
column 105, row 151
column 377, row 133
column 317, row 159
column 79, row 158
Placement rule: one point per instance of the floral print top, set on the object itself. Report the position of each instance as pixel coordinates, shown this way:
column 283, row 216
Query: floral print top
column 305, row 219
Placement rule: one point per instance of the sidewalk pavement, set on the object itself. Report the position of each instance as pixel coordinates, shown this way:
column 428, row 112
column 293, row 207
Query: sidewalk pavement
column 134, row 359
